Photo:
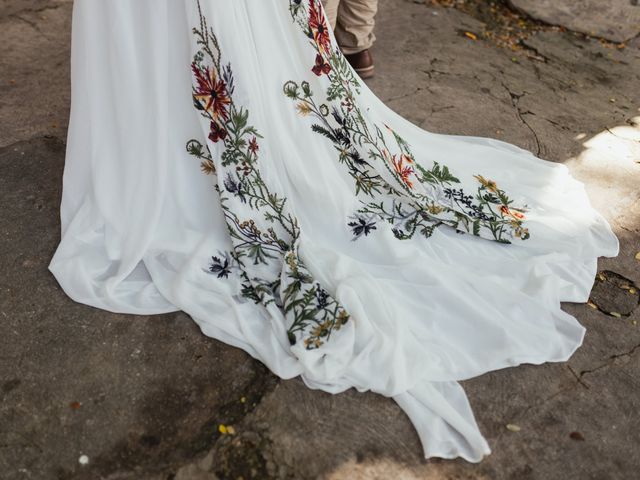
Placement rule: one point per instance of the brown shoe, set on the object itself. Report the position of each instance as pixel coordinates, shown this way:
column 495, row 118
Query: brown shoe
column 362, row 62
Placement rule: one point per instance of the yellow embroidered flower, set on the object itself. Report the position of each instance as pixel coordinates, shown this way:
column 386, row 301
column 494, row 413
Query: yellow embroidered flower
column 343, row 316
column 434, row 209
column 303, row 109
column 488, row 184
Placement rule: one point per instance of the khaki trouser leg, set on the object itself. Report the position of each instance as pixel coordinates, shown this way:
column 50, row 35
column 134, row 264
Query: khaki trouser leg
column 331, row 11
column 353, row 22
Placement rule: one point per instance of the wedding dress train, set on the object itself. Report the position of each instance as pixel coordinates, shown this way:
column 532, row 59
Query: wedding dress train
column 224, row 160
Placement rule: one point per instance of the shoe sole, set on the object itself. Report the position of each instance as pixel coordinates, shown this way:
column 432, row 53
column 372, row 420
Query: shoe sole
column 365, row 72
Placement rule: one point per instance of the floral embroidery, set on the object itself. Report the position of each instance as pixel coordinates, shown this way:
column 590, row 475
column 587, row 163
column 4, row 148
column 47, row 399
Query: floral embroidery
column 264, row 233
column 400, row 191
column 403, row 171
column 211, row 93
column 220, row 267
column 318, row 27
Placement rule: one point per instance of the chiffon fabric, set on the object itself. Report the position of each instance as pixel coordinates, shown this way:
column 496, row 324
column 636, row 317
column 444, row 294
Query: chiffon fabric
column 183, row 110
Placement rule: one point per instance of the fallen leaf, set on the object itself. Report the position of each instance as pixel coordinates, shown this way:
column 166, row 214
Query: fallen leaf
column 231, row 430
column 592, row 305
column 615, row 314
column 222, row 429
column 601, row 277
column 512, row 427
column 75, row 405
column 638, row 256
column 576, row 436
column 243, row 399
column 632, row 291
column 470, row 35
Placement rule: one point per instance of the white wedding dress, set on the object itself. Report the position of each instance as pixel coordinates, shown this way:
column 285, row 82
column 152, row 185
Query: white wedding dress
column 224, row 160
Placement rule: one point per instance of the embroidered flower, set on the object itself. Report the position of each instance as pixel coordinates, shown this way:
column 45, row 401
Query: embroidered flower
column 234, row 187
column 488, row 184
column 253, row 145
column 403, row 171
column 361, row 226
column 220, row 267
column 322, row 298
column 522, row 233
column 211, row 92
column 321, row 66
column 303, row 109
column 217, row 132
column 512, row 212
column 318, row 27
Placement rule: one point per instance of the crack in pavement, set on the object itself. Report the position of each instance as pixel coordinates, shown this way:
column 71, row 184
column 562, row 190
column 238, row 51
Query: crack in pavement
column 400, row 97
column 610, row 361
column 579, row 377
column 515, row 101
column 537, row 55
column 30, row 10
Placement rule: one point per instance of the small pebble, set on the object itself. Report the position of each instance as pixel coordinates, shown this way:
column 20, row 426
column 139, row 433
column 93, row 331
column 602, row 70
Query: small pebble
column 513, row 427
column 576, row 436
column 83, row 460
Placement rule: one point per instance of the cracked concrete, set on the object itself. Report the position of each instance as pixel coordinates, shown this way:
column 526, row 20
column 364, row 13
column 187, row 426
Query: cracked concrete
column 144, row 397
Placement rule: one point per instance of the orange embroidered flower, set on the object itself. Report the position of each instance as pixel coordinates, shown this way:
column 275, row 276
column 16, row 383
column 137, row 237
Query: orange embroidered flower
column 318, row 26
column 211, row 93
column 403, row 171
column 512, row 212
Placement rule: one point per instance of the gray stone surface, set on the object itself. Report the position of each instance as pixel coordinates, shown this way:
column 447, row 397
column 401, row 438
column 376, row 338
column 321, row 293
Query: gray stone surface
column 614, row 20
column 143, row 397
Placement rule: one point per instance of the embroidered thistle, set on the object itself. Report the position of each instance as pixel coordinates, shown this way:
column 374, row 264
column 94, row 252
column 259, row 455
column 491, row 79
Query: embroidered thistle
column 361, row 225
column 220, row 267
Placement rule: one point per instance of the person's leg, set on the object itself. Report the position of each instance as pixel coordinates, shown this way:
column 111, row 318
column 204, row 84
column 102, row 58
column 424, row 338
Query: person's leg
column 331, row 11
column 354, row 28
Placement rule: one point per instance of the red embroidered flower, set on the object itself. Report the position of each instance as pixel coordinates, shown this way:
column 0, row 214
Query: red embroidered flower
column 321, row 66
column 217, row 132
column 211, row 92
column 253, row 145
column 318, row 26
column 403, row 171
